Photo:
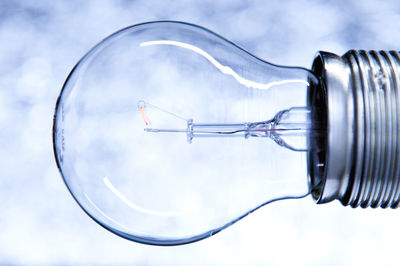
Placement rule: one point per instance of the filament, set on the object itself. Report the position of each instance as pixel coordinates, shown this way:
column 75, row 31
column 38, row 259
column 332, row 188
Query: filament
column 144, row 116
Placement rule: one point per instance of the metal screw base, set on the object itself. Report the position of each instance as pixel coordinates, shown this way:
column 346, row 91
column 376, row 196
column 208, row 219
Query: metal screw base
column 361, row 164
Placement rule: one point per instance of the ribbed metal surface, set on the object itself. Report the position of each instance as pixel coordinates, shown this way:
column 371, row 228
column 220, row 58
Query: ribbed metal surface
column 375, row 173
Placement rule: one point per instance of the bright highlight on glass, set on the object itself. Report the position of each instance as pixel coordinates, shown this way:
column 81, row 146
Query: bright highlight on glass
column 165, row 133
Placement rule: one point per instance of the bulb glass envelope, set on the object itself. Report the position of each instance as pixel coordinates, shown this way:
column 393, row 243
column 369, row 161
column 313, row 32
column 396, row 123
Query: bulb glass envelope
column 137, row 133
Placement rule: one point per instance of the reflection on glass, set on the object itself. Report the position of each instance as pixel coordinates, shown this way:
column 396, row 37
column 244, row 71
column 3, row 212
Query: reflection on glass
column 166, row 133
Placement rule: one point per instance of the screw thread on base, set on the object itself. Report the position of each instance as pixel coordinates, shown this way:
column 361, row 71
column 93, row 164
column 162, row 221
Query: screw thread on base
column 363, row 140
column 377, row 119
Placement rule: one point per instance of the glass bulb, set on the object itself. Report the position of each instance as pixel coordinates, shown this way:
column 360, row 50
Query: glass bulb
column 165, row 133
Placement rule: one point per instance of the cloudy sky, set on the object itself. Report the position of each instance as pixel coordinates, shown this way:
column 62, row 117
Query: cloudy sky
column 40, row 223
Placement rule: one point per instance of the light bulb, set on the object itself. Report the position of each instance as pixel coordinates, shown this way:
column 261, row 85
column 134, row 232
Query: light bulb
column 165, row 133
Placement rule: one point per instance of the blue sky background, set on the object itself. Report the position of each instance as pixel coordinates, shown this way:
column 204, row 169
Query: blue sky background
column 40, row 223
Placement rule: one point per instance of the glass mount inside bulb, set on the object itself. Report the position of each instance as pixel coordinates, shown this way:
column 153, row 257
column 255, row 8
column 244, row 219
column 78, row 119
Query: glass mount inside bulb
column 285, row 124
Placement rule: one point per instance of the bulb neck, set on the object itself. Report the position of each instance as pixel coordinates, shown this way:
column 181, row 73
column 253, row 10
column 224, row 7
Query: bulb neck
column 358, row 161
